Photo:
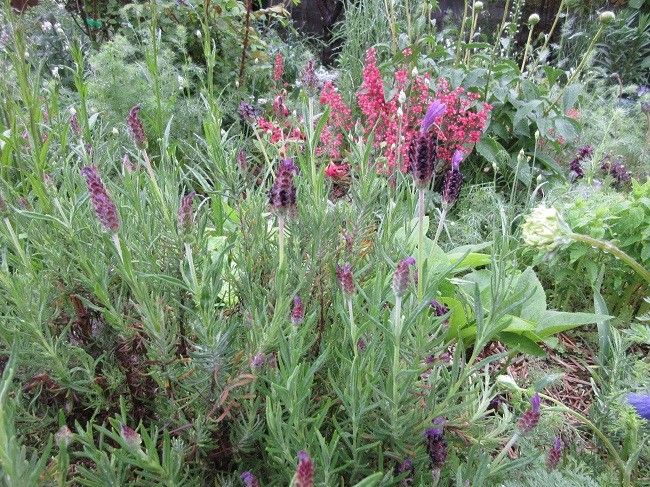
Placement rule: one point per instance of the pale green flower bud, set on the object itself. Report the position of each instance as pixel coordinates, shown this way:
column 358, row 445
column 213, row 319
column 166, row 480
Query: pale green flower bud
column 544, row 229
column 508, row 383
column 607, row 17
column 533, row 19
column 478, row 6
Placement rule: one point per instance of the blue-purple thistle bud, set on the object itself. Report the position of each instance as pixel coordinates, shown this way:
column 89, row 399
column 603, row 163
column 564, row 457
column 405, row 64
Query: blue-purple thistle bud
column 304, row 471
column 402, row 276
column 249, row 479
column 298, row 311
column 344, row 276
column 422, row 159
column 184, row 218
column 529, row 420
column 436, row 109
column 282, row 195
column 554, row 454
column 453, row 180
column 436, row 444
column 105, row 209
column 136, row 130
column 640, row 402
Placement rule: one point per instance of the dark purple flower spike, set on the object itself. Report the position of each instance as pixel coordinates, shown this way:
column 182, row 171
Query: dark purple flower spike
column 554, row 454
column 282, row 195
column 529, row 420
column 136, row 130
column 402, row 276
column 304, row 471
column 105, row 209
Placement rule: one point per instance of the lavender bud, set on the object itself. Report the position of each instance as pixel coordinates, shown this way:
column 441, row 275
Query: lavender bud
column 136, row 130
column 616, row 170
column 185, row 213
column 344, row 276
column 575, row 168
column 406, row 467
column 105, row 209
column 298, row 311
column 640, row 402
column 128, row 166
column 258, row 360
column 402, row 276
column 554, row 454
column 438, row 308
column 309, row 80
column 304, row 471
column 361, row 344
column 130, row 437
column 282, row 195
column 453, row 180
column 422, row 159
column 436, row 444
column 74, row 124
column 529, row 420
column 249, row 480
column 249, row 113
column 242, row 161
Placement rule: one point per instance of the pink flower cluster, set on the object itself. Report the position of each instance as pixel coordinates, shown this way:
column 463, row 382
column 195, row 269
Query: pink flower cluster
column 339, row 121
column 277, row 134
column 394, row 125
column 278, row 68
column 460, row 127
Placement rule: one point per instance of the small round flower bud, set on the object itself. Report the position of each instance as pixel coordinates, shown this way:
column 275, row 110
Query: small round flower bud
column 544, row 228
column 607, row 17
column 533, row 19
column 63, row 437
column 478, row 6
column 130, row 437
column 401, row 98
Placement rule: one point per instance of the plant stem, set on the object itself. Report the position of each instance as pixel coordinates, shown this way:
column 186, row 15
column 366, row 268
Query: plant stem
column 281, row 241
column 420, row 243
column 506, row 448
column 461, row 35
column 614, row 250
column 390, row 12
column 471, row 33
column 154, row 182
column 523, row 61
column 353, row 328
column 441, row 223
column 397, row 332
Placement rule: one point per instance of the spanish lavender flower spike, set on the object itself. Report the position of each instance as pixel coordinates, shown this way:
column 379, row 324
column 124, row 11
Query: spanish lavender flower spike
column 185, row 212
column 436, row 109
column 439, row 309
column 74, row 124
column 575, row 168
column 344, row 276
column 640, row 402
column 249, row 479
column 554, row 454
column 248, row 112
column 402, row 276
column 529, row 420
column 305, row 470
column 282, row 196
column 298, row 311
column 453, row 180
column 136, row 130
column 422, row 159
column 309, row 80
column 242, row 161
column 105, row 209
column 258, row 360
column 436, row 444
column 616, row 170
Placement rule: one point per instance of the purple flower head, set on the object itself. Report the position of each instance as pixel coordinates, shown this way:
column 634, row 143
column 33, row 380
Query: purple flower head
column 105, row 209
column 640, row 402
column 422, row 159
column 184, row 217
column 74, row 124
column 616, row 170
column 344, row 276
column 308, row 79
column 136, row 130
column 402, row 276
column 438, row 308
column 453, row 183
column 258, row 360
column 456, row 159
column 406, row 467
column 130, row 437
column 529, row 420
column 436, row 444
column 575, row 167
column 361, row 344
column 282, row 195
column 435, row 110
column 554, row 454
column 298, row 311
column 249, row 113
column 242, row 161
column 249, row 479
column 127, row 164
column 304, row 471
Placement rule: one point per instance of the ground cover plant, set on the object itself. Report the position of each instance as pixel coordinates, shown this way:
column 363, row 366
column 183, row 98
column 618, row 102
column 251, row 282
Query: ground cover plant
column 224, row 264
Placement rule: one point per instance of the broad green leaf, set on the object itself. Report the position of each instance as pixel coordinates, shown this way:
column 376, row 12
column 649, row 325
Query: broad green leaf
column 521, row 343
column 370, row 480
column 554, row 322
column 516, row 324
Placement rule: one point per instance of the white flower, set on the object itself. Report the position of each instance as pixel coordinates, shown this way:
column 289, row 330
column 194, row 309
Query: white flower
column 544, row 229
column 73, row 111
column 198, row 33
column 415, row 72
column 401, row 98
column 181, row 81
column 478, row 6
column 400, row 112
column 607, row 16
column 55, row 72
column 5, row 135
column 114, row 131
column 46, row 26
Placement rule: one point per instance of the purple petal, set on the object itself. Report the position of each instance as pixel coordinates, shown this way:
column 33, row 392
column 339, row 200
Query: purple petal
column 435, row 110
column 458, row 157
